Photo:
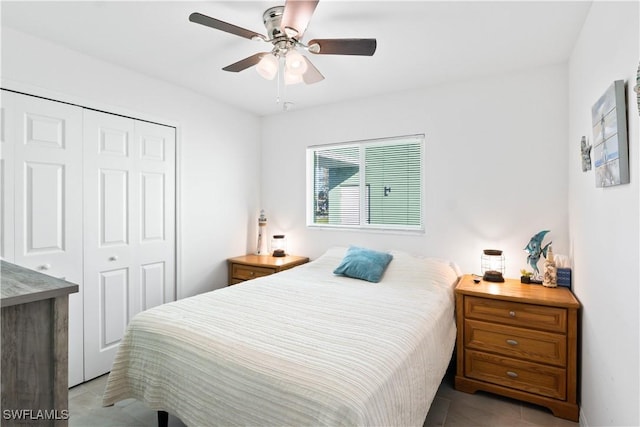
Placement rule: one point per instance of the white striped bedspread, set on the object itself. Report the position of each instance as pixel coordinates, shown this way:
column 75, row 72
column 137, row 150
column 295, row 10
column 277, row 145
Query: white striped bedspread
column 299, row 348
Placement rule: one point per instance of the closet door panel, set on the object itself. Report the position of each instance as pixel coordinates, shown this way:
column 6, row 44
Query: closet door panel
column 109, row 222
column 48, row 187
column 156, row 169
column 44, row 191
column 45, row 144
column 153, row 282
column 129, row 228
column 113, row 217
column 114, row 297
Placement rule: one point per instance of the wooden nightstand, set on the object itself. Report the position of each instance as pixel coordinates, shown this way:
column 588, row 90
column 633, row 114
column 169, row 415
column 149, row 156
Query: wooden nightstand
column 519, row 341
column 249, row 267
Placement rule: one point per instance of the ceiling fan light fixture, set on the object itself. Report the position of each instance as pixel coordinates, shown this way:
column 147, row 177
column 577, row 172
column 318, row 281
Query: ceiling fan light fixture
column 295, row 63
column 292, row 79
column 267, row 67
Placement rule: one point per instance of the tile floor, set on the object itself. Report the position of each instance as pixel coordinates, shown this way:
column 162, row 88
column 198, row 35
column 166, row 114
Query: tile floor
column 450, row 408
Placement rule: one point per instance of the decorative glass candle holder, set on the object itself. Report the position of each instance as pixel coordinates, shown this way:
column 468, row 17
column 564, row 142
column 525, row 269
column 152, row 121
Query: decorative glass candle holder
column 278, row 245
column 492, row 265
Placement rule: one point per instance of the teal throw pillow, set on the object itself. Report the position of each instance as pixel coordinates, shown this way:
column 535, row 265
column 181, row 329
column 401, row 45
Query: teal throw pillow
column 364, row 264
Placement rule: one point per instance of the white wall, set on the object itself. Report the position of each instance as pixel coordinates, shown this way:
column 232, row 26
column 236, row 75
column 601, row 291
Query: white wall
column 218, row 146
column 495, row 173
column 604, row 225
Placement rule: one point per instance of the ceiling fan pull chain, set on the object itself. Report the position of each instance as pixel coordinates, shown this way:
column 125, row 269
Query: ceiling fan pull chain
column 281, row 85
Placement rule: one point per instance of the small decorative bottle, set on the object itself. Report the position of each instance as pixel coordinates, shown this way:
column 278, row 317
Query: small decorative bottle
column 550, row 271
column 262, row 235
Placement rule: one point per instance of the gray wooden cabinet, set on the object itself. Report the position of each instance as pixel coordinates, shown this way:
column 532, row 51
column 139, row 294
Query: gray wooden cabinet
column 34, row 368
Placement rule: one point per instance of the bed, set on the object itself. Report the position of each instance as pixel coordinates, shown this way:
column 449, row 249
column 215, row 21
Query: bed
column 300, row 347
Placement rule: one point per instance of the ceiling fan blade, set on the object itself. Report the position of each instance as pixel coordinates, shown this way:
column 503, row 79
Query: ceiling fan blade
column 245, row 63
column 312, row 75
column 296, row 17
column 364, row 47
column 207, row 21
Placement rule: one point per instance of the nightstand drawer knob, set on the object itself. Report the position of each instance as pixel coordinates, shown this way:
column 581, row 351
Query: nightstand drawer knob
column 512, row 313
column 512, row 342
column 512, row 374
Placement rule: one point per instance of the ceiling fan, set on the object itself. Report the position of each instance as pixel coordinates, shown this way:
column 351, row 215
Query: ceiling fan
column 285, row 29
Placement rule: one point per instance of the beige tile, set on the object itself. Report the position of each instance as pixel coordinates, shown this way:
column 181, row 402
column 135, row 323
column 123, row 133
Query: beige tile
column 437, row 412
column 84, row 401
column 104, row 417
column 482, row 402
column 125, row 402
column 543, row 416
column 141, row 412
column 98, row 385
column 464, row 413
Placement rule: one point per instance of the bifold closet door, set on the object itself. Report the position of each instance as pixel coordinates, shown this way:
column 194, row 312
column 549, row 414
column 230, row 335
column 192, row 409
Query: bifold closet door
column 129, row 228
column 42, row 198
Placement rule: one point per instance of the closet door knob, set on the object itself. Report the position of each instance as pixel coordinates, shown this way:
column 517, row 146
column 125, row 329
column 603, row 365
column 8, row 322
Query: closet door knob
column 44, row 267
column 113, row 258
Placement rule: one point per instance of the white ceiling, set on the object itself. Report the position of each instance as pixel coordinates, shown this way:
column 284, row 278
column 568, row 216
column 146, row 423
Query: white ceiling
column 420, row 43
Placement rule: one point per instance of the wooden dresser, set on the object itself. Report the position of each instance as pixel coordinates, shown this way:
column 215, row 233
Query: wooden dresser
column 249, row 267
column 34, row 347
column 519, row 341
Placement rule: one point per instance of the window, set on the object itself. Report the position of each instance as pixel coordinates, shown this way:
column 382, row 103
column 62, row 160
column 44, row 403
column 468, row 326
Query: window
column 367, row 184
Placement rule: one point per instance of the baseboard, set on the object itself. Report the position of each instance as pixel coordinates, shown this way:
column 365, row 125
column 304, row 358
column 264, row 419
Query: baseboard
column 583, row 419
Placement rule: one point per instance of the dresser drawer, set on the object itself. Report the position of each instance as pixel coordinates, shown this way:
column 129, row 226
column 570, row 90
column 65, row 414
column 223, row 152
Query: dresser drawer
column 248, row 272
column 541, row 317
column 527, row 376
column 536, row 346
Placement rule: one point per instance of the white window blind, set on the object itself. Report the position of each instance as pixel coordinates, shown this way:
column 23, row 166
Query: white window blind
column 367, row 184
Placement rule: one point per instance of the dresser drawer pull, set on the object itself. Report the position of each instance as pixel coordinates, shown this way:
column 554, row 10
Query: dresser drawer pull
column 512, row 374
column 512, row 313
column 251, row 273
column 512, row 342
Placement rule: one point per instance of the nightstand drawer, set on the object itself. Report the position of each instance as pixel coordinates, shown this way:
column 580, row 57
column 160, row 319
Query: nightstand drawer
column 248, row 272
column 530, row 377
column 247, row 267
column 517, row 314
column 536, row 346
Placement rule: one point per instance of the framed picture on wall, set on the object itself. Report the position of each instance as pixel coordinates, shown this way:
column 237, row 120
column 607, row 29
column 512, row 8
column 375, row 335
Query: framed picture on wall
column 610, row 146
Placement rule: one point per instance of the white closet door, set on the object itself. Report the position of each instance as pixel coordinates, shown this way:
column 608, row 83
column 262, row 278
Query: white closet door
column 129, row 237
column 46, row 139
column 156, row 169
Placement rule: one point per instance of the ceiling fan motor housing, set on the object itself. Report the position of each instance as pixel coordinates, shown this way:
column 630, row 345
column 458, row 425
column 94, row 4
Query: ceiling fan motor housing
column 272, row 19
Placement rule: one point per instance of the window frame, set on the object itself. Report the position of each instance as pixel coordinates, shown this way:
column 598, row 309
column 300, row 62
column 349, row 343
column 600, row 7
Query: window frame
column 362, row 144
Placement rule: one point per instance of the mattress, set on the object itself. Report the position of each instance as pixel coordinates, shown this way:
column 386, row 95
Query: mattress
column 300, row 347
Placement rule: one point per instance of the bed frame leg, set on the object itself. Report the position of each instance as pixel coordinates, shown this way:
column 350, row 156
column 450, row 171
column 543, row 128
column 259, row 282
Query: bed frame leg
column 163, row 419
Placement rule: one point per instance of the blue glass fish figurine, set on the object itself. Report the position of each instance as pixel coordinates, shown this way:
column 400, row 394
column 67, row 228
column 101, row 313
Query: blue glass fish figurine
column 535, row 248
